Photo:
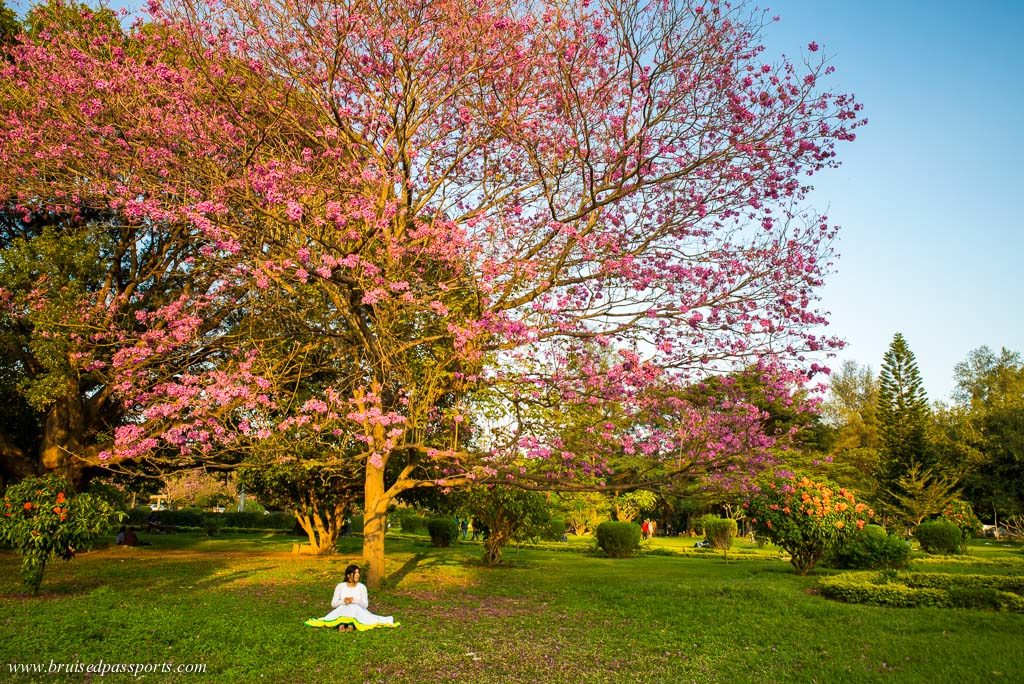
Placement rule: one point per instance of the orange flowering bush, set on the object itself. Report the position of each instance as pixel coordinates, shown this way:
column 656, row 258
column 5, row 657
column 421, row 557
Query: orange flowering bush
column 804, row 517
column 42, row 518
column 961, row 514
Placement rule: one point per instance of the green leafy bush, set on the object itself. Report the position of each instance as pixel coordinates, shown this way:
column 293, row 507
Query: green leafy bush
column 719, row 532
column 412, row 523
column 805, row 518
column 212, row 525
column 554, row 530
column 961, row 514
column 43, row 517
column 618, row 539
column 443, row 531
column 872, row 548
column 938, row 537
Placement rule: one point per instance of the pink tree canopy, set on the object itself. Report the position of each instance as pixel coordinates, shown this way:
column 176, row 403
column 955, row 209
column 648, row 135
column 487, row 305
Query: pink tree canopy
column 435, row 216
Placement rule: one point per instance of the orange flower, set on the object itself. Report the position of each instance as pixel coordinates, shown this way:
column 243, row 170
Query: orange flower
column 28, row 505
column 860, row 524
column 840, row 524
column 786, row 510
column 60, row 497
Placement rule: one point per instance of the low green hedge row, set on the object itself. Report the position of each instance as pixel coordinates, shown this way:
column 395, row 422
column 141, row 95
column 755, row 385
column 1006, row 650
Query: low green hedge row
column 933, row 580
column 196, row 517
column 917, row 589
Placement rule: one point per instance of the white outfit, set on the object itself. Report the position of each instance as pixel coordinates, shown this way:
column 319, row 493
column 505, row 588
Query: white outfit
column 357, row 608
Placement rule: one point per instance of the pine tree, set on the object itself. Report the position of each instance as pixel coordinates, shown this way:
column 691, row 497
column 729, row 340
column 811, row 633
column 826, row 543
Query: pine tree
column 902, row 414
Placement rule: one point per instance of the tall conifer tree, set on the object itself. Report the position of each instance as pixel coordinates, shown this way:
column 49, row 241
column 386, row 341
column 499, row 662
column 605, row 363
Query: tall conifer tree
column 902, row 413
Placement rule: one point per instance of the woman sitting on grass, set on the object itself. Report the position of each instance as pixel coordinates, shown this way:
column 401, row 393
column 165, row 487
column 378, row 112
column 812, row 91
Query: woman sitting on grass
column 350, row 604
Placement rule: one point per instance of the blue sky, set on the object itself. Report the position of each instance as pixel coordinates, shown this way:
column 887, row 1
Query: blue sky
column 931, row 244
column 927, row 196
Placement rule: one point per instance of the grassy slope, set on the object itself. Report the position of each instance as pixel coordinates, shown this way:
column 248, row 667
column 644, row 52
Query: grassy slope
column 237, row 604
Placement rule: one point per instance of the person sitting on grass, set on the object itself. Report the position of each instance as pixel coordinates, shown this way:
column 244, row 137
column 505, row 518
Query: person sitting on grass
column 350, row 605
column 131, row 539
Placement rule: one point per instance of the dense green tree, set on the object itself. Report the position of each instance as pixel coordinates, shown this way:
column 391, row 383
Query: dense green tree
column 902, row 414
column 990, row 430
column 851, row 407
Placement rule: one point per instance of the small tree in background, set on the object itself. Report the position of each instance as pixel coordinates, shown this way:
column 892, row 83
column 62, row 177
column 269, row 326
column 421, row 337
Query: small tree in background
column 631, row 504
column 318, row 497
column 43, row 517
column 584, row 511
column 920, row 494
column 719, row 532
column 805, row 518
column 510, row 514
column 198, row 488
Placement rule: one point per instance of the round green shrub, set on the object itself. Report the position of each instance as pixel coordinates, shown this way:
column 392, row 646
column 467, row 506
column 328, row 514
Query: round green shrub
column 212, row 525
column 554, row 530
column 719, row 532
column 412, row 523
column 872, row 548
column 618, row 539
column 443, row 531
column 939, row 537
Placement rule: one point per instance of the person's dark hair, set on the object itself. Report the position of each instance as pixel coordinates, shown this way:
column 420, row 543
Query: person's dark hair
column 349, row 570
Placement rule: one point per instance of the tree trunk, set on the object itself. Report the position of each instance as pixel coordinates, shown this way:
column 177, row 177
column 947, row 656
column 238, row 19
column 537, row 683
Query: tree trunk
column 322, row 525
column 492, row 547
column 375, row 516
column 63, row 433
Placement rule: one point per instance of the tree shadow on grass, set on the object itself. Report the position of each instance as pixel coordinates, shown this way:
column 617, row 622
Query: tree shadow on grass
column 395, row 578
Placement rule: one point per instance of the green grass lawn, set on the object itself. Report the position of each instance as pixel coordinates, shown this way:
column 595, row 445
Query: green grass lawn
column 236, row 604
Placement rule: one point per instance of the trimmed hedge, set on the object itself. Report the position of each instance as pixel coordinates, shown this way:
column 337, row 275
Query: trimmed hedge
column 872, row 548
column 939, row 537
column 917, row 589
column 554, row 530
column 719, row 532
column 443, row 531
column 411, row 523
column 618, row 539
column 196, row 517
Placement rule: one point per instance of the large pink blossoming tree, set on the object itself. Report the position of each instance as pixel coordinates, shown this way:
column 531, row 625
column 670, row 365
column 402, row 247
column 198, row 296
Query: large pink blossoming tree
column 439, row 219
